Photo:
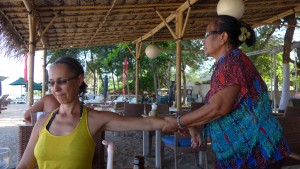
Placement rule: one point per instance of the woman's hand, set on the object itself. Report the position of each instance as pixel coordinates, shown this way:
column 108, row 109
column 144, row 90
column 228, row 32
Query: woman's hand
column 170, row 125
column 195, row 137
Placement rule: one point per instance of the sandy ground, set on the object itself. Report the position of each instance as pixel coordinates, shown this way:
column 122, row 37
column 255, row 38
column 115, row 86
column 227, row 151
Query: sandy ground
column 127, row 144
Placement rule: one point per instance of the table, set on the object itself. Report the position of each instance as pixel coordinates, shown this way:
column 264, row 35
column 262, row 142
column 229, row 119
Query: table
column 119, row 111
column 184, row 109
column 146, row 147
column 103, row 107
column 146, row 144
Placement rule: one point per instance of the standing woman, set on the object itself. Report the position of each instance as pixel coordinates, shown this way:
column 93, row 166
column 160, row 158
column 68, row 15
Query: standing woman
column 66, row 138
column 237, row 114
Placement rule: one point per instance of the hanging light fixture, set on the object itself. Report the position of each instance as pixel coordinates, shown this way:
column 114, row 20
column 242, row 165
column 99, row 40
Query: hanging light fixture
column 152, row 51
column 234, row 8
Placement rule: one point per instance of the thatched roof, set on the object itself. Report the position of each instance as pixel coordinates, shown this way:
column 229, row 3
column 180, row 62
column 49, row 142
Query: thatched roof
column 85, row 23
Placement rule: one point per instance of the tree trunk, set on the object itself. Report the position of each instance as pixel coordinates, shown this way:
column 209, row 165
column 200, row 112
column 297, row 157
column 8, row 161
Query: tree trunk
column 92, row 69
column 288, row 37
column 276, row 90
column 113, row 79
column 168, row 77
column 154, row 81
column 184, row 84
column 285, row 95
column 119, row 91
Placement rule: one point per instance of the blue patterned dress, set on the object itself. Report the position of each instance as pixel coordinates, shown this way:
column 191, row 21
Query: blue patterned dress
column 249, row 136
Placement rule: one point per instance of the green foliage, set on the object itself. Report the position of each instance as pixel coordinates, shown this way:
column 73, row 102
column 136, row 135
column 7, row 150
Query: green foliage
column 109, row 60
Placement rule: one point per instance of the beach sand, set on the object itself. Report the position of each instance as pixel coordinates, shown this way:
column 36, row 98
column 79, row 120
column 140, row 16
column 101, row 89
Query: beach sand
column 127, row 144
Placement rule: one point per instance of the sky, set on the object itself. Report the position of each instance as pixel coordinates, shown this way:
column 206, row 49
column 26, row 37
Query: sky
column 13, row 69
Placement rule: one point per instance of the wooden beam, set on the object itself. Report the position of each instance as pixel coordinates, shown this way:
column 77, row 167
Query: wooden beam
column 10, row 0
column 167, row 25
column 185, row 22
column 52, row 56
column 117, row 7
column 134, row 56
column 183, row 7
column 280, row 16
column 47, row 27
column 31, row 53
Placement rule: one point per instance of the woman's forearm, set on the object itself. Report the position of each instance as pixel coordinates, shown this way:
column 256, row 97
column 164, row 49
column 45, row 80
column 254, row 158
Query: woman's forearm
column 154, row 123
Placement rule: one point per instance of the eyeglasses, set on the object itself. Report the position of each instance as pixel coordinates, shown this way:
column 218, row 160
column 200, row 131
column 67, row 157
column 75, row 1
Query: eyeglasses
column 60, row 81
column 212, row 33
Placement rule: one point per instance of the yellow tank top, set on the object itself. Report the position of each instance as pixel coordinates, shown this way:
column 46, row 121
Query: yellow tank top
column 72, row 151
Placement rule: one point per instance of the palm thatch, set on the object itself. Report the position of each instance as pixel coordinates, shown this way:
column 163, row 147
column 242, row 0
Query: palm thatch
column 10, row 44
column 84, row 23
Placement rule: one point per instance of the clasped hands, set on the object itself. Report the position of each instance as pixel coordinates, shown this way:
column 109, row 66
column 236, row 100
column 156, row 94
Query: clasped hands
column 171, row 125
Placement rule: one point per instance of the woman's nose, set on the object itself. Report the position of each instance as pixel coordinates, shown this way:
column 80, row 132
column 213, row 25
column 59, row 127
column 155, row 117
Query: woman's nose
column 55, row 87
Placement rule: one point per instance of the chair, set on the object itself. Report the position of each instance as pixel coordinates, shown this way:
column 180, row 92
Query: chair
column 119, row 107
column 98, row 161
column 291, row 112
column 183, row 144
column 160, row 109
column 296, row 102
column 4, row 102
column 163, row 109
column 148, row 107
column 134, row 110
column 291, row 128
column 196, row 105
column 33, row 116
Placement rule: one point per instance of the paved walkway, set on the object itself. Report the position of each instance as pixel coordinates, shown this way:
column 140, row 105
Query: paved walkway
column 9, row 121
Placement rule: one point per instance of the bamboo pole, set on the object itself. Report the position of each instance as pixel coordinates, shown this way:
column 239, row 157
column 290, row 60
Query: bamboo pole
column 134, row 56
column 167, row 25
column 276, row 17
column 186, row 21
column 32, row 42
column 182, row 8
column 137, row 65
column 44, row 71
column 179, row 28
column 41, row 34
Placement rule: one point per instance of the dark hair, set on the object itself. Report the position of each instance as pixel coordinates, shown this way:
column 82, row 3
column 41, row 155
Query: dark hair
column 75, row 67
column 232, row 26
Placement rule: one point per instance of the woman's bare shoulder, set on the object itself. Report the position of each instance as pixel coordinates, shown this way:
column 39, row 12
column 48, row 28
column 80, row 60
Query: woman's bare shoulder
column 41, row 121
column 49, row 97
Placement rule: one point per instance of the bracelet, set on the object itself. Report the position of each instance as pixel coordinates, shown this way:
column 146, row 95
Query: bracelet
column 178, row 122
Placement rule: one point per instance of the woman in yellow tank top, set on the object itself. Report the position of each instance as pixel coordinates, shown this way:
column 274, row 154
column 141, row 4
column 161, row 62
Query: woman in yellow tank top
column 64, row 139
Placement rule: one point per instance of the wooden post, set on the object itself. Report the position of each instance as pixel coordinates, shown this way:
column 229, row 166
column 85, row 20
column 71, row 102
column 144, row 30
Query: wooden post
column 179, row 26
column 137, row 65
column 32, row 43
column 44, row 71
